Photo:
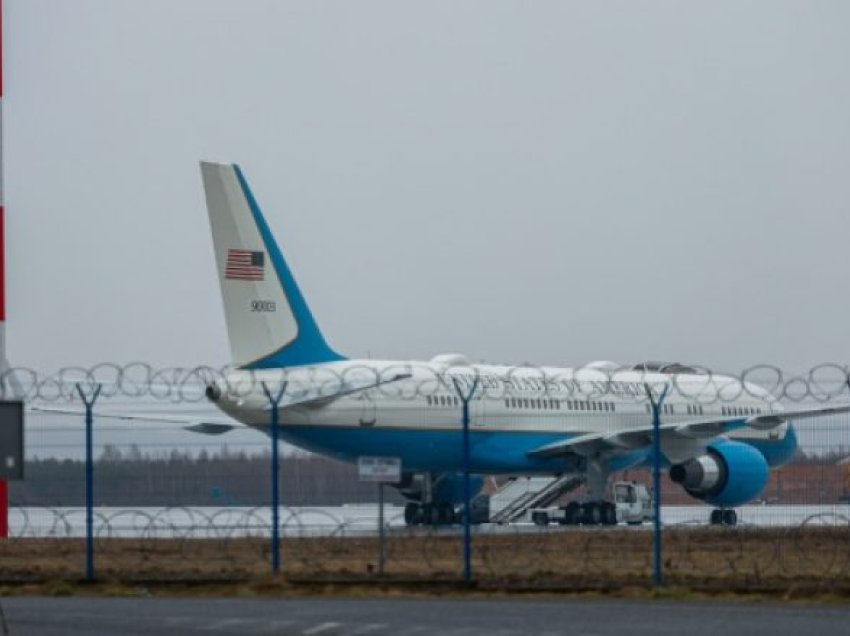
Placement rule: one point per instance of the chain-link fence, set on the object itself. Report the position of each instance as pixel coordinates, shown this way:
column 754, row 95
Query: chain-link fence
column 181, row 493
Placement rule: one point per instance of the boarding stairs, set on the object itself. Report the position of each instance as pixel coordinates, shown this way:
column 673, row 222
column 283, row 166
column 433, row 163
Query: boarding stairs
column 517, row 496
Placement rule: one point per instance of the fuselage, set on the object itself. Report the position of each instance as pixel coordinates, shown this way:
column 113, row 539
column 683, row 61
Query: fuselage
column 513, row 410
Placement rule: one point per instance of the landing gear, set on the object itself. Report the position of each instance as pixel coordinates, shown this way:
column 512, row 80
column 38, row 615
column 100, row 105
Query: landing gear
column 723, row 517
column 412, row 514
column 431, row 514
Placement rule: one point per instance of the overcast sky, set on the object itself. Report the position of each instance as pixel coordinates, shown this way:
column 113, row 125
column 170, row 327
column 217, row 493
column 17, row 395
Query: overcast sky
column 546, row 182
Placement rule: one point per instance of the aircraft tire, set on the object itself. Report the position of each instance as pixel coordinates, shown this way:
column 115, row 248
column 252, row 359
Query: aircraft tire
column 730, row 518
column 431, row 515
column 446, row 514
column 412, row 514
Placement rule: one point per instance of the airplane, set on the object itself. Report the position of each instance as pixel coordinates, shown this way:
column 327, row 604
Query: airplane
column 720, row 437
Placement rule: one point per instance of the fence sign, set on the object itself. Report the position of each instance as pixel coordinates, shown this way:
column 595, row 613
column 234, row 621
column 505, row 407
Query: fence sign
column 386, row 470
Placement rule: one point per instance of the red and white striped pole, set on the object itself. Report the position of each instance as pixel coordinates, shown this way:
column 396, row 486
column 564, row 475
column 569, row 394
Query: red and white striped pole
column 4, row 486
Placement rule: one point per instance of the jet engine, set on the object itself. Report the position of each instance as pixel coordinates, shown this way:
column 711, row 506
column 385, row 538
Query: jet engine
column 728, row 475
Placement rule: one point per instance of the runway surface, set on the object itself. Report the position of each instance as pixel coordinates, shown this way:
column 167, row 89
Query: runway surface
column 419, row 617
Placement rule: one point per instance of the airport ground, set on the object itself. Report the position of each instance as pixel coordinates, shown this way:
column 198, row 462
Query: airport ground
column 40, row 616
column 700, row 558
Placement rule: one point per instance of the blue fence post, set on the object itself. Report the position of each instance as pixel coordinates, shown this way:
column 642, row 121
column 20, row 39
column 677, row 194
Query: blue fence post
column 274, row 402
column 89, row 404
column 657, row 569
column 467, row 489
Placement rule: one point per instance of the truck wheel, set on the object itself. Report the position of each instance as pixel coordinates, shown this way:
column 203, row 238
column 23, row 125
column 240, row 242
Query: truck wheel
column 540, row 519
column 608, row 514
column 572, row 514
column 591, row 515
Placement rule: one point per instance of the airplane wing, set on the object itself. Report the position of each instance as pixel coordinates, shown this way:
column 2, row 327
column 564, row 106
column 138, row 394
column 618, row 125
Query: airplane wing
column 219, row 425
column 708, row 428
column 196, row 424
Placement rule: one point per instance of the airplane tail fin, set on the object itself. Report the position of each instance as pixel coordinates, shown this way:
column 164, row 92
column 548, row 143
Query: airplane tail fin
column 268, row 321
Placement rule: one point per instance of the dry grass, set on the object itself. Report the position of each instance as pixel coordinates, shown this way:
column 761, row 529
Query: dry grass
column 723, row 558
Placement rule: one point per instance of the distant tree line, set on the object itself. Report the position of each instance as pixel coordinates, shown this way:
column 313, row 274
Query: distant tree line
column 223, row 478
column 236, row 478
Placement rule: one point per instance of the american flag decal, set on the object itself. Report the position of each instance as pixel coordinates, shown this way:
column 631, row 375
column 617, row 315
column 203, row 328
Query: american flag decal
column 244, row 265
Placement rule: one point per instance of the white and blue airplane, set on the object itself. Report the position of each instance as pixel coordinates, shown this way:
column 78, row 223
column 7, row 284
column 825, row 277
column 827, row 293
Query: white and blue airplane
column 719, row 436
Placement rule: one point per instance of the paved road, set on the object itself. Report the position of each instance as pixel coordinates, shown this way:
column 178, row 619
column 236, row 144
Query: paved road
column 380, row 617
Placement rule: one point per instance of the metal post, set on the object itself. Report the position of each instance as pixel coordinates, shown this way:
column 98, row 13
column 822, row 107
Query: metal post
column 274, row 401
column 381, row 538
column 657, row 571
column 89, row 404
column 467, row 494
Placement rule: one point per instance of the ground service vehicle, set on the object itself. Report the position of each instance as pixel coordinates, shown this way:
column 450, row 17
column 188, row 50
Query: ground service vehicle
column 631, row 504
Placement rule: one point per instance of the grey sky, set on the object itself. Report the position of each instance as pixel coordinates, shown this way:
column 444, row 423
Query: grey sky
column 552, row 182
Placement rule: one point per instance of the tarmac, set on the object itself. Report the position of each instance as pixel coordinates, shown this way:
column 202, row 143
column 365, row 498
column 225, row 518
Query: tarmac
column 71, row 616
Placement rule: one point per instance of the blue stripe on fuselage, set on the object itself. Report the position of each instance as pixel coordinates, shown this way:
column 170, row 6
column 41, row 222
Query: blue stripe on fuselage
column 430, row 450
column 491, row 452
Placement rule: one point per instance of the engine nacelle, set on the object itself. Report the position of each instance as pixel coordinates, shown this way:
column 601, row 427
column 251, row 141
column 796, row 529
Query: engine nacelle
column 728, row 475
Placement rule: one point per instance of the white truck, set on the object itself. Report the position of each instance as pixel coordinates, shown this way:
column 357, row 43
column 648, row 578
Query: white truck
column 632, row 504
